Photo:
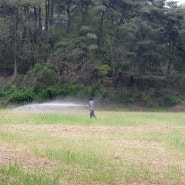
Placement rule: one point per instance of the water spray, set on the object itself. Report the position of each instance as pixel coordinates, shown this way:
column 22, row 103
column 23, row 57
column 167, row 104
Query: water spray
column 52, row 107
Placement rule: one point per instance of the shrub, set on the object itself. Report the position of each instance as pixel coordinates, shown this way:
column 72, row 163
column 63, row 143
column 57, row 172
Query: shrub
column 42, row 76
column 25, row 94
column 171, row 100
column 129, row 95
column 51, row 92
column 7, row 89
column 91, row 90
column 72, row 88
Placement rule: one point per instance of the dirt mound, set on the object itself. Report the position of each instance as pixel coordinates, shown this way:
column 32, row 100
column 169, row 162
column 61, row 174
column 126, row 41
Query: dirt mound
column 178, row 108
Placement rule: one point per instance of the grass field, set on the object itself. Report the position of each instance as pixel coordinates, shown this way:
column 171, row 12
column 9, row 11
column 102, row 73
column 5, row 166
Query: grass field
column 116, row 148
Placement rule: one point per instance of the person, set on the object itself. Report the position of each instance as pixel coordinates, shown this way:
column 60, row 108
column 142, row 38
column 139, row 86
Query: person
column 92, row 108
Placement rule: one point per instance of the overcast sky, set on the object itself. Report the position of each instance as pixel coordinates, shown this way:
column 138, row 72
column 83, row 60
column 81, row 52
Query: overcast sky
column 180, row 1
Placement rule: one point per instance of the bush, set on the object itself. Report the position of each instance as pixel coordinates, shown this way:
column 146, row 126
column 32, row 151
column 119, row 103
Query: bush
column 7, row 89
column 41, row 76
column 51, row 92
column 72, row 88
column 25, row 94
column 170, row 100
column 129, row 95
column 91, row 90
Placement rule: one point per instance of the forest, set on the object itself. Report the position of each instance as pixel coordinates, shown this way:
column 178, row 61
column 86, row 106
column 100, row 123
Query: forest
column 124, row 51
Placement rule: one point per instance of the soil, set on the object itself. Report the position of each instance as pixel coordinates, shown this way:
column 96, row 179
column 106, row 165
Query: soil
column 138, row 108
column 8, row 155
column 178, row 108
column 12, row 156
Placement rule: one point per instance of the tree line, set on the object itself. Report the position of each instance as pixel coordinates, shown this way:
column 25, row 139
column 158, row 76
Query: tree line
column 133, row 49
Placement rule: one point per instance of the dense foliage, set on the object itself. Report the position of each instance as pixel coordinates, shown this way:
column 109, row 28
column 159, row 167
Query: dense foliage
column 132, row 50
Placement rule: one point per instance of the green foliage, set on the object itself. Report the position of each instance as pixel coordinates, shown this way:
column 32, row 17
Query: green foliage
column 91, row 36
column 91, row 90
column 43, row 75
column 103, row 72
column 25, row 94
column 85, row 29
column 170, row 100
column 125, row 37
column 7, row 89
column 51, row 92
column 72, row 88
column 75, row 54
column 129, row 95
column 12, row 93
column 92, row 47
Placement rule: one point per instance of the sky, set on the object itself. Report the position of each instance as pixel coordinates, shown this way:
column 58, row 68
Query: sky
column 180, row 1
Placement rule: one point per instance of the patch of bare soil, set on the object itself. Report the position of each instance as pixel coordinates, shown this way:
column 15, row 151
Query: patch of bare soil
column 138, row 109
column 151, row 154
column 178, row 108
column 11, row 156
column 57, row 130
column 2, row 103
column 155, row 155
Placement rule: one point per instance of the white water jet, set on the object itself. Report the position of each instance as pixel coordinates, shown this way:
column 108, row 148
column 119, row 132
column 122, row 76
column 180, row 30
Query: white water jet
column 51, row 107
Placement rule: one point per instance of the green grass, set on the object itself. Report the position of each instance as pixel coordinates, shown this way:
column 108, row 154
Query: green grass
column 17, row 175
column 116, row 148
column 109, row 118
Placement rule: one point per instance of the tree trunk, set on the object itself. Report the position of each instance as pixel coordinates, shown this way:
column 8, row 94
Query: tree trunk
column 47, row 14
column 51, row 13
column 40, row 19
column 16, row 35
column 69, row 18
column 15, row 68
column 101, row 28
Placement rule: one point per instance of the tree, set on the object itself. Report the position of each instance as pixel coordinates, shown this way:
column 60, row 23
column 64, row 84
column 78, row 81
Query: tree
column 21, row 36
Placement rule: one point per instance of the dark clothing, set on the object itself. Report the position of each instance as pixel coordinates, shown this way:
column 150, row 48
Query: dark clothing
column 92, row 113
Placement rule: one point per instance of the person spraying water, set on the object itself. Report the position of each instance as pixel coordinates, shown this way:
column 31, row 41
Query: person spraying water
column 92, row 108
